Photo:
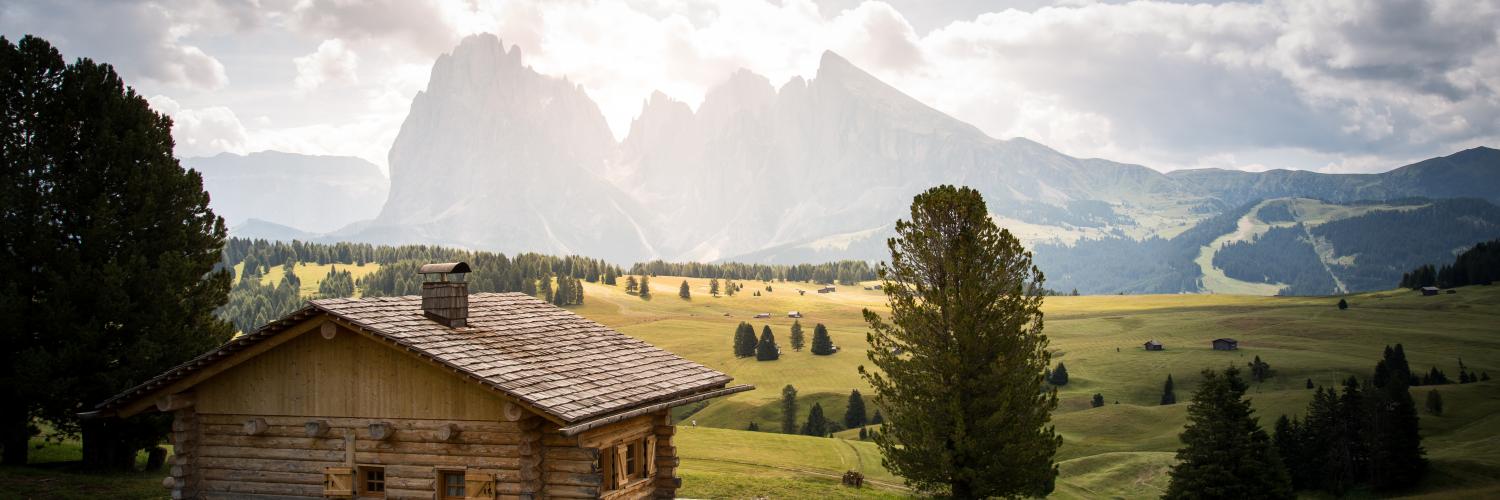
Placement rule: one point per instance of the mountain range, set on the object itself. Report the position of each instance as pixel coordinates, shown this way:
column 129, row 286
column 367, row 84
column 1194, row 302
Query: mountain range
column 495, row 155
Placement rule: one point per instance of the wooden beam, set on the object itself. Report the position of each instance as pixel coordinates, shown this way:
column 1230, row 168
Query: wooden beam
column 173, row 402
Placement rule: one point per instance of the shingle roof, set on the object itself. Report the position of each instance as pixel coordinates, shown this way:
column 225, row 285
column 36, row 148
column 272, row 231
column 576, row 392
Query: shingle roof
column 546, row 356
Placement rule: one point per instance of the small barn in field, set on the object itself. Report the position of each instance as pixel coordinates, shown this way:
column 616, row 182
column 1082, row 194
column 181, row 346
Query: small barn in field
column 440, row 396
column 1153, row 345
column 1226, row 344
column 1430, row 290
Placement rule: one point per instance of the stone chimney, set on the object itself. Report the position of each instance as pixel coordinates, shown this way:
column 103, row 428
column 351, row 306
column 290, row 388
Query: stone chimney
column 445, row 294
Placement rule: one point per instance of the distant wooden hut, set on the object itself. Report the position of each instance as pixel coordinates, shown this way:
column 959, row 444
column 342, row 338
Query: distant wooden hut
column 1430, row 291
column 1153, row 345
column 827, row 289
column 1226, row 344
column 446, row 395
column 763, row 315
column 793, row 314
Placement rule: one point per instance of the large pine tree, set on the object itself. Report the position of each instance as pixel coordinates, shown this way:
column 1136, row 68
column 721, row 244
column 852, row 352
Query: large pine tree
column 1225, row 453
column 822, row 344
column 789, row 409
column 766, row 348
column 797, row 339
column 817, row 423
column 854, row 414
column 108, row 251
column 744, row 340
column 1169, row 392
column 959, row 361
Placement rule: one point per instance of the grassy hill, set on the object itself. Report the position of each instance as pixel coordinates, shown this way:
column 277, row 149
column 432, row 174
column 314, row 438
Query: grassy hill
column 1121, row 449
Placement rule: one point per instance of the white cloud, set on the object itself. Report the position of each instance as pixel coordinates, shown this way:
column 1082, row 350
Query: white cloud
column 332, row 63
column 203, row 131
column 1348, row 85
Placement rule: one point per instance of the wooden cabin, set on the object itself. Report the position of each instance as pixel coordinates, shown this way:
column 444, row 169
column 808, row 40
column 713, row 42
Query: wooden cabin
column 440, row 396
column 793, row 314
column 1226, row 344
column 1153, row 345
column 1430, row 290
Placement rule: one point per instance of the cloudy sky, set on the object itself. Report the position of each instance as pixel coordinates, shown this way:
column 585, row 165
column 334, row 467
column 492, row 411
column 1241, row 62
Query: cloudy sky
column 1330, row 85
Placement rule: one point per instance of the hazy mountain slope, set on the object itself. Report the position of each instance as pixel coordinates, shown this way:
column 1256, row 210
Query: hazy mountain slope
column 1472, row 173
column 309, row 193
column 496, row 156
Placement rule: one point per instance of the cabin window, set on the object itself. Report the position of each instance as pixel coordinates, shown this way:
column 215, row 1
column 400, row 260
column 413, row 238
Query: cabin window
column 450, row 485
column 627, row 462
column 371, row 481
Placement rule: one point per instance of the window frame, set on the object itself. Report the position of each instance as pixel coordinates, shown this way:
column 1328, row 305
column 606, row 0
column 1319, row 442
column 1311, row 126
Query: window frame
column 637, row 451
column 441, row 484
column 362, row 480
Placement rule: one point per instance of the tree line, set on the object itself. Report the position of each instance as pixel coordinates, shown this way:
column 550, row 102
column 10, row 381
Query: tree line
column 765, row 349
column 1363, row 437
column 846, row 272
column 1479, row 265
column 1280, row 255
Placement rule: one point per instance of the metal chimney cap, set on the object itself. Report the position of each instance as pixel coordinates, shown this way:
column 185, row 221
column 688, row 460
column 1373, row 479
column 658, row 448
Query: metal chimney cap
column 444, row 268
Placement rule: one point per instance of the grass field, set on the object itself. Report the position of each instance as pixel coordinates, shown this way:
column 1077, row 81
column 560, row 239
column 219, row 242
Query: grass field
column 311, row 274
column 1119, row 450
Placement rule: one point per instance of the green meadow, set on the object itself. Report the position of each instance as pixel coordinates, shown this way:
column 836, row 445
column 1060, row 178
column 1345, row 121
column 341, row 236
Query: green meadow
column 1119, row 450
column 1123, row 449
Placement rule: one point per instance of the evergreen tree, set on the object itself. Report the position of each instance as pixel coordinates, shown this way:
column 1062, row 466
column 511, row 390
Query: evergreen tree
column 729, row 288
column 1434, row 403
column 960, row 357
column 877, row 418
column 797, row 339
column 854, row 415
column 789, row 409
column 108, row 248
column 822, row 344
column 766, row 349
column 1099, row 400
column 684, row 292
column 1259, row 370
column 1484, row 376
column 1309, row 383
column 1343, row 304
column 1289, row 440
column 609, row 276
column 1396, row 456
column 817, row 424
column 744, row 340
column 713, row 287
column 546, row 288
column 645, row 287
column 863, row 434
column 631, row 285
column 1059, row 375
column 1225, row 452
column 753, row 427
column 1168, row 392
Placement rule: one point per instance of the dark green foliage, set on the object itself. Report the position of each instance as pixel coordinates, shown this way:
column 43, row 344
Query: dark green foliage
column 1168, row 392
column 959, row 360
column 1391, row 241
column 1225, row 452
column 1343, row 304
column 544, row 288
column 631, row 285
column 1280, row 255
column 1309, row 383
column 1424, row 275
column 848, row 272
column 817, row 424
column 713, row 287
column 684, row 291
column 863, row 434
column 251, row 305
column 854, row 414
column 753, row 427
column 336, row 284
column 1275, row 212
column 568, row 292
column 1260, row 370
column 822, row 344
column 1365, row 437
column 744, row 340
column 108, row 250
column 797, row 338
column 1434, row 403
column 644, row 289
column 1099, row 400
column 789, row 409
column 1059, row 375
column 877, row 418
column 766, row 349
